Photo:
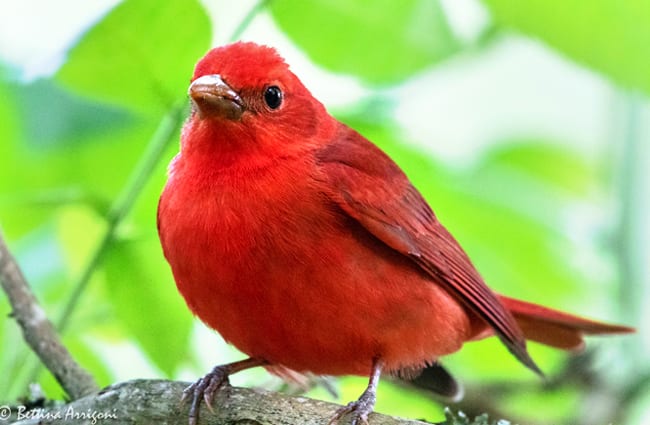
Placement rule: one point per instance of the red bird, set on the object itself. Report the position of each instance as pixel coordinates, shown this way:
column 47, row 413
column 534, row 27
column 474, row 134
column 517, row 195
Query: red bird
column 306, row 247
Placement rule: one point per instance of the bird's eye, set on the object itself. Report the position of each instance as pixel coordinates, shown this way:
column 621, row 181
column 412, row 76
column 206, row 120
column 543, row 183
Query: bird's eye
column 273, row 97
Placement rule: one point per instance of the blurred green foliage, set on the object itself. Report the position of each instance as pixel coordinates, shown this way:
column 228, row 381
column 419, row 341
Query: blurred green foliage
column 407, row 36
column 146, row 70
column 73, row 148
column 608, row 35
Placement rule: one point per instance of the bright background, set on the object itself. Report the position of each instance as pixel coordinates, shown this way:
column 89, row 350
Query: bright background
column 525, row 124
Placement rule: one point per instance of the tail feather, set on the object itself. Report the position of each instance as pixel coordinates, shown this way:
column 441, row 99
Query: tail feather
column 555, row 328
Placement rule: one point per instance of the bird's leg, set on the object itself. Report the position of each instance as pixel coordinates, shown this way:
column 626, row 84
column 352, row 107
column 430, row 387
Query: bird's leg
column 361, row 408
column 208, row 386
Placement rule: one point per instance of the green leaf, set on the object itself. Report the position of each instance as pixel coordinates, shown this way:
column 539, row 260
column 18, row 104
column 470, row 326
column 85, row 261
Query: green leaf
column 140, row 55
column 558, row 168
column 380, row 41
column 144, row 297
column 86, row 166
column 79, row 231
column 460, row 418
column 610, row 36
column 9, row 131
column 54, row 118
column 562, row 402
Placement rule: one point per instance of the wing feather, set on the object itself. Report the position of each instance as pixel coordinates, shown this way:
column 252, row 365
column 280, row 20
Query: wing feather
column 369, row 187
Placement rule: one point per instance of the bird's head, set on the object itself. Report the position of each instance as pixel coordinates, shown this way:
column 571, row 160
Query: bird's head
column 245, row 93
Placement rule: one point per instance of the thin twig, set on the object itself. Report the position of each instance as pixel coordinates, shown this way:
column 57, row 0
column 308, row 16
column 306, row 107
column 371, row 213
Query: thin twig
column 631, row 255
column 122, row 206
column 39, row 332
column 632, row 247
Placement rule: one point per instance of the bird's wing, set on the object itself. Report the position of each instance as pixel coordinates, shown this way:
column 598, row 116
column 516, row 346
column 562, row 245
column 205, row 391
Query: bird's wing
column 369, row 187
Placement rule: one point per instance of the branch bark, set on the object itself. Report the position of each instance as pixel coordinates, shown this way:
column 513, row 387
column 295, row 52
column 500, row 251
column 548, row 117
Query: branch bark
column 39, row 332
column 158, row 402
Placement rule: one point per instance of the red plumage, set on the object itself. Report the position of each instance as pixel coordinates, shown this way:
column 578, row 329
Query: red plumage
column 305, row 246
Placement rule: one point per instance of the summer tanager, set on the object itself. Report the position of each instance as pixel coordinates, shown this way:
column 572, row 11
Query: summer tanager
column 307, row 247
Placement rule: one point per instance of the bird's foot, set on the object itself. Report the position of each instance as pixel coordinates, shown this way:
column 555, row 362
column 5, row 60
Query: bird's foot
column 206, row 388
column 358, row 410
column 212, row 383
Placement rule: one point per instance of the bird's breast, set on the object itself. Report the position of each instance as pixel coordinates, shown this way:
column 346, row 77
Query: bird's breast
column 278, row 270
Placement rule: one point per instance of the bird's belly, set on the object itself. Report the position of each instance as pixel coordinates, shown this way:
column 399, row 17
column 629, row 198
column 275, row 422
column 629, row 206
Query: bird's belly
column 328, row 300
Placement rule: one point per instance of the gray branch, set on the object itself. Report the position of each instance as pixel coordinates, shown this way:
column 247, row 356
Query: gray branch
column 158, row 402
column 39, row 332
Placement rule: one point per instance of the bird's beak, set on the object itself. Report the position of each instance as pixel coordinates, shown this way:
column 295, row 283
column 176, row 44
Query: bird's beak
column 212, row 97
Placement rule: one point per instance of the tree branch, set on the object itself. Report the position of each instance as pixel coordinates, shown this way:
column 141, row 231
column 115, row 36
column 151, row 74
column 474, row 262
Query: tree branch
column 39, row 332
column 158, row 402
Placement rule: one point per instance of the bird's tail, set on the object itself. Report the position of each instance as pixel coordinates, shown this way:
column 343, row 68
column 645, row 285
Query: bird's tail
column 541, row 324
column 555, row 328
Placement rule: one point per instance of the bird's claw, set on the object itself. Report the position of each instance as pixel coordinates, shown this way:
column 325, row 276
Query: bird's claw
column 358, row 410
column 206, row 388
